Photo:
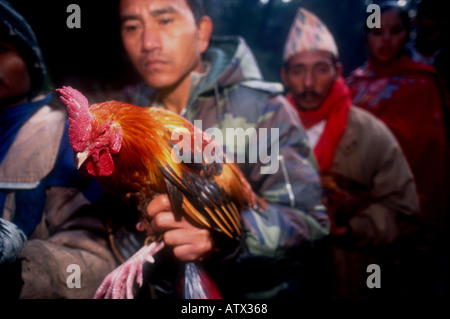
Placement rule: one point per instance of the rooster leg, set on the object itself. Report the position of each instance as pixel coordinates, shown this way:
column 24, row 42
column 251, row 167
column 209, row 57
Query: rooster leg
column 119, row 283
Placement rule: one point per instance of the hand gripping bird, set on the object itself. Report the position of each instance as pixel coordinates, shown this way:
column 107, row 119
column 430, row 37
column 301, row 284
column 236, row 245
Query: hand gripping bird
column 135, row 153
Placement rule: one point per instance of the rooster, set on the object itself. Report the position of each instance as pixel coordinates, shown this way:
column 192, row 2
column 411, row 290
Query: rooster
column 132, row 152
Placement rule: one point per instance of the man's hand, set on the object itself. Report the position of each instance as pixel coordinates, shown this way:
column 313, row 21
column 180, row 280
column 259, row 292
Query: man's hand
column 188, row 242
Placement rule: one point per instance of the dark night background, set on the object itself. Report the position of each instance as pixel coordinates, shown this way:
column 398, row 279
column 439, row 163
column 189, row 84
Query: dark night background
column 92, row 57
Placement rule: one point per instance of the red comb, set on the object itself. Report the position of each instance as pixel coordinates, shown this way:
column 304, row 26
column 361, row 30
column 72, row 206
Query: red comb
column 80, row 118
column 77, row 104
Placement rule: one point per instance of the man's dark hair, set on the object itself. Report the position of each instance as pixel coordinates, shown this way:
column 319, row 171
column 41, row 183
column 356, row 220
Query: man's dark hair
column 196, row 6
column 197, row 9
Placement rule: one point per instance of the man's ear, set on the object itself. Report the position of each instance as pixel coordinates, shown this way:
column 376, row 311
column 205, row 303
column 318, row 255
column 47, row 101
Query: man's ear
column 205, row 29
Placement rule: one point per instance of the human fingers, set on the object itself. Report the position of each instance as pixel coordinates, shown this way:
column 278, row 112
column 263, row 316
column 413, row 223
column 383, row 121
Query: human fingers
column 160, row 203
column 189, row 243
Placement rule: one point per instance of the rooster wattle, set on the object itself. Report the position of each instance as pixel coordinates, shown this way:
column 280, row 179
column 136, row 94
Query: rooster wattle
column 130, row 151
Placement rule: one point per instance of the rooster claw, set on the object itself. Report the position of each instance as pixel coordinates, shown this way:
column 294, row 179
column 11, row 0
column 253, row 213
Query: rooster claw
column 119, row 283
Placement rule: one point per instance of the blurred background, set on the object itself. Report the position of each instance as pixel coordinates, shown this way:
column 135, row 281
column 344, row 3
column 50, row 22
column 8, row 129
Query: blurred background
column 92, row 57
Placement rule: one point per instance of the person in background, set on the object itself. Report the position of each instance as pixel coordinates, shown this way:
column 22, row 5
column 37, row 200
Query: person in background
column 217, row 80
column 368, row 186
column 430, row 32
column 430, row 45
column 44, row 200
column 408, row 97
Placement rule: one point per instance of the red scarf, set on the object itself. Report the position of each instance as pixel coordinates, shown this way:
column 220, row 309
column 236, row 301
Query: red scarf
column 334, row 110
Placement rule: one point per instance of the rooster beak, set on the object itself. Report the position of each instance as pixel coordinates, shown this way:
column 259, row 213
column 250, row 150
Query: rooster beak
column 81, row 158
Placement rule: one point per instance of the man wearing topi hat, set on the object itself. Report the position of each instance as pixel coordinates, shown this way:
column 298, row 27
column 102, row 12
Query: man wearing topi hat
column 368, row 187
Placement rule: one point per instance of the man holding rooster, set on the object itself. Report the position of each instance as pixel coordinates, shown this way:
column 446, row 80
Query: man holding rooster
column 217, row 80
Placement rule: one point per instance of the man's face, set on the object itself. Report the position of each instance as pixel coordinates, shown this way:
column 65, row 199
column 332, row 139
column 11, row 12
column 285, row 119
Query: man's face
column 310, row 76
column 162, row 40
column 14, row 77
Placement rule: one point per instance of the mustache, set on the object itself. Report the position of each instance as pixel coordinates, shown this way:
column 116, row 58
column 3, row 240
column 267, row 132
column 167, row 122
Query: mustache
column 308, row 93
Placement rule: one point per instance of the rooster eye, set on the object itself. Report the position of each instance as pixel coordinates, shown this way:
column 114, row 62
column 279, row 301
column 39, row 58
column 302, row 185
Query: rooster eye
column 103, row 132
